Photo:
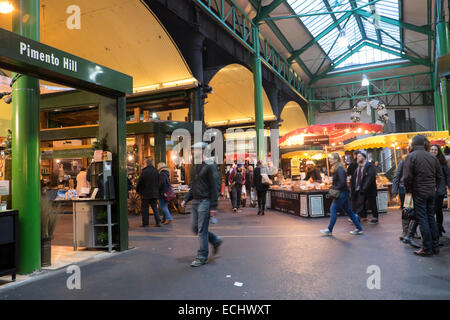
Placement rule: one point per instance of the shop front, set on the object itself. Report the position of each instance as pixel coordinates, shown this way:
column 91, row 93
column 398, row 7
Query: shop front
column 29, row 163
column 304, row 191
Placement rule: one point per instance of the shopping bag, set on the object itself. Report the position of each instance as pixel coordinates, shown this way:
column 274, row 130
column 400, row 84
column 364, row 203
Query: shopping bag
column 244, row 192
column 409, row 203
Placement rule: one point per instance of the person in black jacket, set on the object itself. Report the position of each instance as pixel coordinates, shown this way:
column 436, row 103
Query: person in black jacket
column 261, row 188
column 340, row 184
column 399, row 188
column 312, row 172
column 364, row 188
column 350, row 170
column 148, row 188
column 442, row 187
column 421, row 176
column 205, row 188
column 164, row 187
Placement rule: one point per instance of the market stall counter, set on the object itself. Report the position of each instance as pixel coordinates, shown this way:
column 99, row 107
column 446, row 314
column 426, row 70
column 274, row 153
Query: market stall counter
column 302, row 198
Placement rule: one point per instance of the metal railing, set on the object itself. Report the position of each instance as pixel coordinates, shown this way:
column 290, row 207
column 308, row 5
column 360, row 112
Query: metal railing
column 236, row 22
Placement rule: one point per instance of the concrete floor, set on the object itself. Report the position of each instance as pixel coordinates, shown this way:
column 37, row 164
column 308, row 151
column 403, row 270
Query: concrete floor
column 277, row 256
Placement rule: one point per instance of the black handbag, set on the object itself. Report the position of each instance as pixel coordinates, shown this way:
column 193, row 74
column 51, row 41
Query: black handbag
column 334, row 194
column 408, row 214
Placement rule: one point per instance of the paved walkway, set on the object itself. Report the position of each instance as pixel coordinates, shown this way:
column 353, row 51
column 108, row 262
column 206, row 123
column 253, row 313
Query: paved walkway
column 277, row 256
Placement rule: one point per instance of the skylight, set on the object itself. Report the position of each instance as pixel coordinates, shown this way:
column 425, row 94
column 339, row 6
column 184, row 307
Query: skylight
column 357, row 28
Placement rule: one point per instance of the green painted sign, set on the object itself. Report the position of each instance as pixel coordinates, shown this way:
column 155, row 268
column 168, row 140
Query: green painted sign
column 26, row 56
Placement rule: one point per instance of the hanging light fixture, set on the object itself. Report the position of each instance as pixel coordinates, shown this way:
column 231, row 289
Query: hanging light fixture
column 343, row 40
column 6, row 7
column 365, row 81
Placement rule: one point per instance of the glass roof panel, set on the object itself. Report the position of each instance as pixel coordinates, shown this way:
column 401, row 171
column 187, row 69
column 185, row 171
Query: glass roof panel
column 367, row 55
column 317, row 23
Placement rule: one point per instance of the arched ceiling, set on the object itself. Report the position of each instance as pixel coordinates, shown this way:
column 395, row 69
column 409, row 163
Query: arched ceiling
column 293, row 117
column 120, row 34
column 233, row 97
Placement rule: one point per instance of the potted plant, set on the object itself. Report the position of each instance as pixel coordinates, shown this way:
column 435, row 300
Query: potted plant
column 49, row 219
column 102, row 238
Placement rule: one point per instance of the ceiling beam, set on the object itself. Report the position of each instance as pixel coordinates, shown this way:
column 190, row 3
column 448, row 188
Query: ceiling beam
column 369, row 70
column 288, row 46
column 297, row 53
column 403, row 46
column 266, row 10
column 358, row 20
column 420, row 29
column 420, row 61
column 352, row 50
column 272, row 25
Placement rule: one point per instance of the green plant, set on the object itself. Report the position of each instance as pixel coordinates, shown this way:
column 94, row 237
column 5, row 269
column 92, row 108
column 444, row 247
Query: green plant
column 8, row 143
column 49, row 218
column 102, row 237
column 102, row 215
column 101, row 143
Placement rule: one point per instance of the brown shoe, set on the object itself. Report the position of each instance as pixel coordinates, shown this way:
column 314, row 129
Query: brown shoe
column 423, row 253
column 167, row 222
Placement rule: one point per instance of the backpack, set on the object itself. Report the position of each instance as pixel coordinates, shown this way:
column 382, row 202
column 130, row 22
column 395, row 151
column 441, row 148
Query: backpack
column 238, row 179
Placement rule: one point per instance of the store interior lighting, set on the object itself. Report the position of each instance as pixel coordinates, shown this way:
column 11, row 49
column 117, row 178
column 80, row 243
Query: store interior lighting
column 6, row 7
column 343, row 40
column 365, row 81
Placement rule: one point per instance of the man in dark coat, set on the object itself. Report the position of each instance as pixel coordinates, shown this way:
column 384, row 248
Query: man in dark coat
column 204, row 191
column 364, row 188
column 350, row 170
column 422, row 175
column 148, row 188
column 261, row 188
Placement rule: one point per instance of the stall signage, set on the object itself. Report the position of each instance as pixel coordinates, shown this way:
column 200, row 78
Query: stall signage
column 30, row 57
column 4, row 187
column 316, row 140
column 285, row 201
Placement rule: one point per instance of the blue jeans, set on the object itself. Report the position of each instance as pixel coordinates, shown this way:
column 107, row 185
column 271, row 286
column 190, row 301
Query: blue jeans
column 342, row 201
column 165, row 209
column 424, row 207
column 200, row 225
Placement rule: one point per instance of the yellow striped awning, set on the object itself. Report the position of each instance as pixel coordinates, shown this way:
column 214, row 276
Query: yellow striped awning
column 397, row 140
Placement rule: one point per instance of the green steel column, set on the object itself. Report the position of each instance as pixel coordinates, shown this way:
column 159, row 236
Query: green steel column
column 160, row 143
column 442, row 48
column 26, row 146
column 444, row 103
column 310, row 108
column 438, row 110
column 259, row 115
column 122, row 179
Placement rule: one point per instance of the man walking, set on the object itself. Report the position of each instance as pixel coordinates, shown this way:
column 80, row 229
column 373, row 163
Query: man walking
column 364, row 188
column 148, row 188
column 421, row 176
column 205, row 193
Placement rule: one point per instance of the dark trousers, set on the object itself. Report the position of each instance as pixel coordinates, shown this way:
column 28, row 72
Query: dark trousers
column 261, row 200
column 144, row 206
column 371, row 200
column 439, row 200
column 236, row 191
column 424, row 207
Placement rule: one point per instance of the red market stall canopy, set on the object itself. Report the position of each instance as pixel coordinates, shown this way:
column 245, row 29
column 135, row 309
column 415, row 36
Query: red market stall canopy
column 328, row 134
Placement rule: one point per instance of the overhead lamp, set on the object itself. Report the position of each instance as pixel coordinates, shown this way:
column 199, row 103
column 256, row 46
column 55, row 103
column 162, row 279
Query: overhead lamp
column 343, row 40
column 6, row 7
column 365, row 81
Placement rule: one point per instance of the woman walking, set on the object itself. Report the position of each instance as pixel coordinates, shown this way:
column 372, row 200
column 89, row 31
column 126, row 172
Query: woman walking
column 164, row 187
column 260, row 185
column 442, row 187
column 342, row 199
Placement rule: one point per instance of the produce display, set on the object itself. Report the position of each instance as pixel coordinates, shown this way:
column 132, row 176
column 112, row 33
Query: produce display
column 302, row 185
column 382, row 181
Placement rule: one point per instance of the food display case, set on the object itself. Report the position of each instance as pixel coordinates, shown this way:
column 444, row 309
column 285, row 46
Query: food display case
column 303, row 198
